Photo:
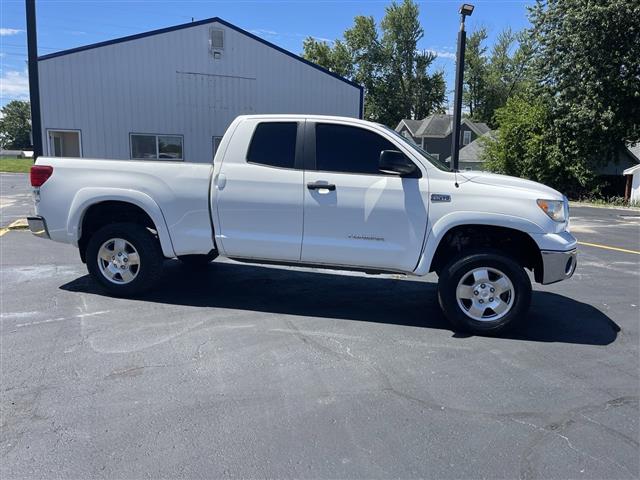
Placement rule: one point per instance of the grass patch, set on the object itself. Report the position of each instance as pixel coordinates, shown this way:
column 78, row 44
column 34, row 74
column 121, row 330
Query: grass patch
column 615, row 202
column 15, row 165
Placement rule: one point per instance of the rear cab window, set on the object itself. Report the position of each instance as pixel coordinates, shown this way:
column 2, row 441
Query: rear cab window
column 274, row 144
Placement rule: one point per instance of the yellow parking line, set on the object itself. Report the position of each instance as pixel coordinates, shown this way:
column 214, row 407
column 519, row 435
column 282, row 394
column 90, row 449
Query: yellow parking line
column 606, row 247
column 19, row 224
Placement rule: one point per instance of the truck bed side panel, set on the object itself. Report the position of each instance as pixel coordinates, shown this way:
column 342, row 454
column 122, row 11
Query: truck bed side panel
column 180, row 191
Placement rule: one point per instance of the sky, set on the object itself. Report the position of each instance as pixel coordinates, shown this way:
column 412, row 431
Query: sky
column 64, row 24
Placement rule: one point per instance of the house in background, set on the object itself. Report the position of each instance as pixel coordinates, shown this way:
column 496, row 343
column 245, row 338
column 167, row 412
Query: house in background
column 433, row 133
column 471, row 156
column 630, row 161
column 171, row 93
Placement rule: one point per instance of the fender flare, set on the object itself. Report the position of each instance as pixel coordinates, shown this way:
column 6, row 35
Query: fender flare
column 456, row 219
column 86, row 197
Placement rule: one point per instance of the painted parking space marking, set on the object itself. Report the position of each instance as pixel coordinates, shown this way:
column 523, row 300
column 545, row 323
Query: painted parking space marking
column 607, row 247
column 20, row 224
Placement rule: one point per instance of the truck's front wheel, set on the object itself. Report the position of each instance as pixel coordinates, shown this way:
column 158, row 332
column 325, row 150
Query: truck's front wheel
column 484, row 292
column 124, row 258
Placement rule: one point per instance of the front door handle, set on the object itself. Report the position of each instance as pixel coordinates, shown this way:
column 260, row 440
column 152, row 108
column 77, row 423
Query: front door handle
column 320, row 186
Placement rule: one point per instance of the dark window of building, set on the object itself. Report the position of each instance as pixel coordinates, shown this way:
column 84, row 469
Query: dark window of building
column 156, row 147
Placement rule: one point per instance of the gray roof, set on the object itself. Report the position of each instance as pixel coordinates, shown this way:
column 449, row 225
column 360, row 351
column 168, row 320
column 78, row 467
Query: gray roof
column 439, row 126
column 436, row 126
column 412, row 125
column 635, row 150
column 473, row 152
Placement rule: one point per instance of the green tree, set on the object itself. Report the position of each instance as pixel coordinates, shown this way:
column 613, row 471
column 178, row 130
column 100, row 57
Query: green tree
column 387, row 62
column 526, row 146
column 581, row 101
column 491, row 78
column 475, row 74
column 15, row 125
column 336, row 59
column 587, row 62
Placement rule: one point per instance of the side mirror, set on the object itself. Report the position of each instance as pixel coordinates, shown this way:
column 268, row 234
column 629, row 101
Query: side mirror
column 393, row 161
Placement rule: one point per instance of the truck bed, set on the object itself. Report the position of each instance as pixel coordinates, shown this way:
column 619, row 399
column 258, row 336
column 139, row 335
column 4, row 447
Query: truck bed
column 177, row 191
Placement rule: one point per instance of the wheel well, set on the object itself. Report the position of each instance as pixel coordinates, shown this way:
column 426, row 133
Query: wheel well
column 104, row 213
column 515, row 243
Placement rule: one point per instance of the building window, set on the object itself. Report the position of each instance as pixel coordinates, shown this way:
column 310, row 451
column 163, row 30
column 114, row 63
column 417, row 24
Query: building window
column 216, row 42
column 466, row 139
column 274, row 144
column 217, row 38
column 64, row 143
column 216, row 145
column 156, row 147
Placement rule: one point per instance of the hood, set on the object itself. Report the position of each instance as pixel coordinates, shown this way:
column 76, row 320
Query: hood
column 494, row 179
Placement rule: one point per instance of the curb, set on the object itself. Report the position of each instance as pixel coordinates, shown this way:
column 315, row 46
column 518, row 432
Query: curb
column 606, row 207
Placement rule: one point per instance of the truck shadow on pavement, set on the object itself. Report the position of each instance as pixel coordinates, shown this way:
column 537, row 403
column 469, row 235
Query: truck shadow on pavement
column 552, row 318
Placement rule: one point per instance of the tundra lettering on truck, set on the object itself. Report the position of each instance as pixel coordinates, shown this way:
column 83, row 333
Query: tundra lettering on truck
column 318, row 191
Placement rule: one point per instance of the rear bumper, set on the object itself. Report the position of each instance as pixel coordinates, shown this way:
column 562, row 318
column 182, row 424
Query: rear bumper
column 557, row 266
column 38, row 226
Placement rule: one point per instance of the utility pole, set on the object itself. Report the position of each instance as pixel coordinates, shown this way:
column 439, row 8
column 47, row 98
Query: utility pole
column 465, row 10
column 34, row 84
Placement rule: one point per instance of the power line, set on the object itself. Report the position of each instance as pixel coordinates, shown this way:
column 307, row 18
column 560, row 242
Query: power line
column 22, row 55
column 24, row 46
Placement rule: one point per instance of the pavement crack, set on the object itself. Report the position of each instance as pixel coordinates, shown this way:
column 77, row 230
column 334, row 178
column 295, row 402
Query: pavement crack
column 557, row 429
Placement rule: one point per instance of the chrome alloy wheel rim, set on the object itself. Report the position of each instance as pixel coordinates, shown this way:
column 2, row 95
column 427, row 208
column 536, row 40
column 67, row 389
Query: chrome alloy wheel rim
column 118, row 261
column 485, row 294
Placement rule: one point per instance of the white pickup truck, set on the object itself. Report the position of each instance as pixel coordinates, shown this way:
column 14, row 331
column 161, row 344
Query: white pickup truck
column 317, row 191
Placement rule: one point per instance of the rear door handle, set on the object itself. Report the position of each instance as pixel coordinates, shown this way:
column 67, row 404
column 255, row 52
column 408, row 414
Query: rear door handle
column 320, row 186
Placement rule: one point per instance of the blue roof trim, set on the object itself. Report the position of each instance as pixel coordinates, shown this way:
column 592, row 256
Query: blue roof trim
column 196, row 24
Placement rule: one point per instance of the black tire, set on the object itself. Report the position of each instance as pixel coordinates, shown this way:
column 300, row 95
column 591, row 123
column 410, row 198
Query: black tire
column 198, row 261
column 518, row 298
column 149, row 270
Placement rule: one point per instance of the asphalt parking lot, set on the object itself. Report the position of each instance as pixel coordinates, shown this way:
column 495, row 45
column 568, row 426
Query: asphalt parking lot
column 251, row 371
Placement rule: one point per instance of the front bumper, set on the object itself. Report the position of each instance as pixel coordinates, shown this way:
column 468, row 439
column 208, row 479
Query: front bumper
column 38, row 226
column 557, row 266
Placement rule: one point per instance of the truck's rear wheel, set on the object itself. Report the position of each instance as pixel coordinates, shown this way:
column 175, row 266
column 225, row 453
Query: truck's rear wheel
column 124, row 258
column 484, row 292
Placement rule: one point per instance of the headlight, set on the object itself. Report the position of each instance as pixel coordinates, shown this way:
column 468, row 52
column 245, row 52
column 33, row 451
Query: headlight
column 557, row 210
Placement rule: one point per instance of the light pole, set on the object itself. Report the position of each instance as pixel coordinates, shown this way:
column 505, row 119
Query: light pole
column 34, row 87
column 465, row 10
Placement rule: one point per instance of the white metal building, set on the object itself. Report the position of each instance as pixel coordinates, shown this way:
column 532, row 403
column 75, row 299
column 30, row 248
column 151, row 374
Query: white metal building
column 632, row 187
column 171, row 93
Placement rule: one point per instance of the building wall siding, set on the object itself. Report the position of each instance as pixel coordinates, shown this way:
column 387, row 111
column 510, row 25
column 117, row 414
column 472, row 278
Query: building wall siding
column 170, row 84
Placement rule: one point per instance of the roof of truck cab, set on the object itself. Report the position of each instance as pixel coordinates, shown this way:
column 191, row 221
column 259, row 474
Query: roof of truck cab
column 299, row 116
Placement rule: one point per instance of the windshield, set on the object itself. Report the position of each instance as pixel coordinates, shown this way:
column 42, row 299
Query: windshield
column 432, row 160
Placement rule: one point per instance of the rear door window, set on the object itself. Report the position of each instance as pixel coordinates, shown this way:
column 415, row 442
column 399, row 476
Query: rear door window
column 274, row 144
